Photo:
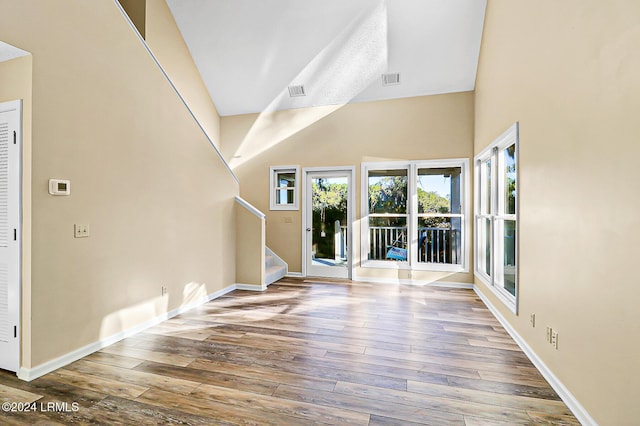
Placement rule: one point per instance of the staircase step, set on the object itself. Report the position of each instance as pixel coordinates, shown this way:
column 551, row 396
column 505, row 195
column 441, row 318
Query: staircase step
column 270, row 260
column 274, row 273
column 274, row 267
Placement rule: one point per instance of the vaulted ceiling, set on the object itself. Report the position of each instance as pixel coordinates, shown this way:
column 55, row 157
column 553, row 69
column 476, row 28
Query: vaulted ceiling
column 250, row 51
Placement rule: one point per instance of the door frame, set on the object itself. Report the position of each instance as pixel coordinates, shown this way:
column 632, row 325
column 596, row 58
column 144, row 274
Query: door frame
column 15, row 247
column 351, row 212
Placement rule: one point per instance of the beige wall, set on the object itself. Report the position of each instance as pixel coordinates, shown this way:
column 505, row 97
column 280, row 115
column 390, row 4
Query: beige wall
column 568, row 72
column 250, row 257
column 162, row 213
column 159, row 202
column 429, row 127
column 166, row 43
column 15, row 83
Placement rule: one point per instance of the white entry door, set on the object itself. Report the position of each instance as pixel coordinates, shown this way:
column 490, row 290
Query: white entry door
column 10, row 175
column 328, row 217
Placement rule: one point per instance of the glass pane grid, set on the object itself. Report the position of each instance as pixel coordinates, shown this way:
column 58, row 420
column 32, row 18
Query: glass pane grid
column 388, row 191
column 439, row 215
column 440, row 240
column 507, row 232
column 509, row 165
column 284, row 188
column 437, row 189
column 388, row 239
column 496, row 219
column 435, row 218
column 285, row 179
column 285, row 196
column 484, row 245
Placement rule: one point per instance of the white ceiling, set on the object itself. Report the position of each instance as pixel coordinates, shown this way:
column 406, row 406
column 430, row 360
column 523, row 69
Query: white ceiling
column 249, row 51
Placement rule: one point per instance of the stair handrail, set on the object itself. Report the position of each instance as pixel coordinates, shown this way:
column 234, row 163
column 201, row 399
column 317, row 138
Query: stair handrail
column 175, row 89
column 244, row 203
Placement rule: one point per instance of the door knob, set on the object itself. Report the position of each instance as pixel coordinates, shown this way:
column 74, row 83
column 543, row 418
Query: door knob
column 308, row 229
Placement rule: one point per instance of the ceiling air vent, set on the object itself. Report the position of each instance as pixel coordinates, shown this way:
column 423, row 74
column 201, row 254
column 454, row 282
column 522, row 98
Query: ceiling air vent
column 296, row 91
column 390, row 79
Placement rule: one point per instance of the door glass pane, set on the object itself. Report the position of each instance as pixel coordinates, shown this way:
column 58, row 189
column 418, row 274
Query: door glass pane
column 509, row 156
column 388, row 238
column 509, row 261
column 439, row 190
column 440, row 240
column 388, row 191
column 329, row 230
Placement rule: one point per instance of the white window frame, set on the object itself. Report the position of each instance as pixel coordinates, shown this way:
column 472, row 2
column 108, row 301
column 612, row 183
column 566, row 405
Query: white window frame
column 364, row 214
column 412, row 214
column 273, row 173
column 351, row 211
column 495, row 281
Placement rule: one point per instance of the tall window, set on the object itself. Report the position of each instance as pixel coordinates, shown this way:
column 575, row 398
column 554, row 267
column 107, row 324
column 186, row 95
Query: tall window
column 496, row 213
column 415, row 215
column 388, row 214
column 439, row 215
column 283, row 182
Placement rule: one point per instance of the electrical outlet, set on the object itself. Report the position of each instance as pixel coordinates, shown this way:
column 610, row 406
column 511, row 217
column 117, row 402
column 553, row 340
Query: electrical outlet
column 80, row 231
column 549, row 334
column 554, row 339
column 532, row 320
column 164, row 291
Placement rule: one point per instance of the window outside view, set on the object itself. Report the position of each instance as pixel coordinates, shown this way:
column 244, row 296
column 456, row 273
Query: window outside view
column 439, row 215
column 388, row 215
column 432, row 226
column 329, row 198
column 496, row 216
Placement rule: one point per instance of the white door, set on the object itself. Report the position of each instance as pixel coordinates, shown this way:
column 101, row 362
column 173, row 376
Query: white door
column 10, row 115
column 327, row 225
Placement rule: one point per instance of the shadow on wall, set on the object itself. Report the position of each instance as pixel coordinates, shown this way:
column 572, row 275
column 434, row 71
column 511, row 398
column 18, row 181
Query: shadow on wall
column 343, row 69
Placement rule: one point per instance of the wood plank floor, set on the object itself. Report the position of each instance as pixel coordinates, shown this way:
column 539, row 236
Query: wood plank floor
column 305, row 352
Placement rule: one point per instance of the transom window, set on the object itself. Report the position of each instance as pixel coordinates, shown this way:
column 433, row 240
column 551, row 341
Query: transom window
column 496, row 215
column 414, row 214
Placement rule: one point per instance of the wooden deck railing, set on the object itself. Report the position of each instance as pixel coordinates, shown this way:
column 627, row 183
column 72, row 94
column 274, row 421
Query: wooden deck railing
column 435, row 245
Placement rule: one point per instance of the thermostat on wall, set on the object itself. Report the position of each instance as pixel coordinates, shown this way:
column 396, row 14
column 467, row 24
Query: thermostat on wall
column 59, row 187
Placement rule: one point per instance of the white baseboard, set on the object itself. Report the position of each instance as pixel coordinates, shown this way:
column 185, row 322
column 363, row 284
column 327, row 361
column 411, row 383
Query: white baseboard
column 446, row 284
column 294, row 274
column 29, row 374
column 576, row 408
column 250, row 287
